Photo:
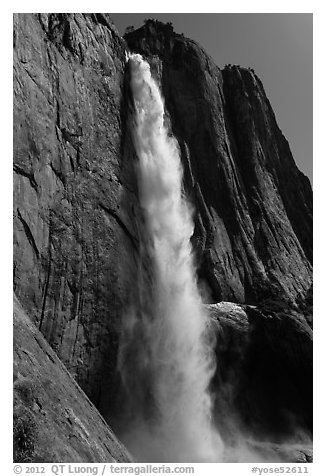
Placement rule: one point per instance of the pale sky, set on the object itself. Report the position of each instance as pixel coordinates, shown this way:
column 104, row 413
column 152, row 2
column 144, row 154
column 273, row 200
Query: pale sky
column 278, row 46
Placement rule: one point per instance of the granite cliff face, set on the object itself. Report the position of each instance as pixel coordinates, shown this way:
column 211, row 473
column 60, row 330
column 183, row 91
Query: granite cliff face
column 254, row 222
column 68, row 230
column 75, row 200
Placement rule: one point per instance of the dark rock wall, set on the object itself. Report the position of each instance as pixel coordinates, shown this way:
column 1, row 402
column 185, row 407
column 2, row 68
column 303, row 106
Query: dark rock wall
column 263, row 383
column 70, row 234
column 254, row 207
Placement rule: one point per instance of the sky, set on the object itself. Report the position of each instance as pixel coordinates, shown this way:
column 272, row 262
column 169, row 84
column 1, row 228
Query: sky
column 278, row 46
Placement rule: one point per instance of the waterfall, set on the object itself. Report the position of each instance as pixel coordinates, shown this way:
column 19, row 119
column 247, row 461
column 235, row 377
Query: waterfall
column 166, row 358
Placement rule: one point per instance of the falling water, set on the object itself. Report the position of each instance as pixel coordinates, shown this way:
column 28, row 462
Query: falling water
column 166, row 355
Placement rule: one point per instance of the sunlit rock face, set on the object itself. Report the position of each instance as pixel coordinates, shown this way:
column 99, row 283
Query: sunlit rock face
column 53, row 420
column 70, row 180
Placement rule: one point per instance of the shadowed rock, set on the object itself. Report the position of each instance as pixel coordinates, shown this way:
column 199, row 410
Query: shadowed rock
column 263, row 382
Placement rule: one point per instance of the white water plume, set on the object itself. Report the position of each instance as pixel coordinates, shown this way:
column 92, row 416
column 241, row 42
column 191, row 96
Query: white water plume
column 168, row 341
